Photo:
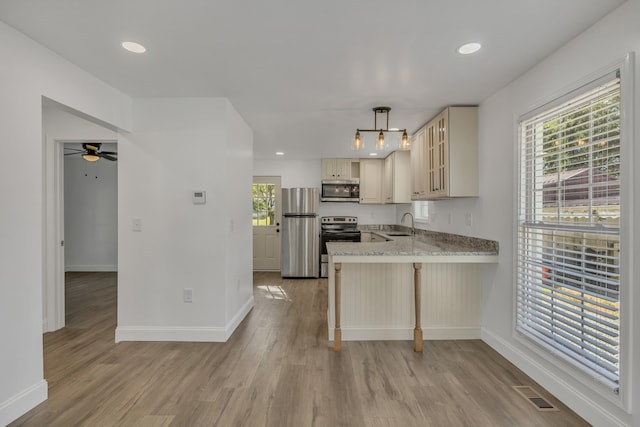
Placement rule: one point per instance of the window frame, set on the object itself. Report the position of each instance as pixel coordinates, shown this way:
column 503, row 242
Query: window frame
column 551, row 364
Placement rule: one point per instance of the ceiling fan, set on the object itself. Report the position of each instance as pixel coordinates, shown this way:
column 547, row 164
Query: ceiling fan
column 91, row 152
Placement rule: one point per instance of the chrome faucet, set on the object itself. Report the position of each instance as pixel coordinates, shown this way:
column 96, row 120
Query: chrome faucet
column 413, row 228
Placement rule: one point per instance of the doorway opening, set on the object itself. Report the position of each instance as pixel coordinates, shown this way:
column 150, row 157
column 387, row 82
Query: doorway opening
column 80, row 205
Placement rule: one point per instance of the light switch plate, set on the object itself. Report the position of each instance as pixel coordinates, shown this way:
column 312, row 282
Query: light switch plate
column 136, row 224
column 187, row 295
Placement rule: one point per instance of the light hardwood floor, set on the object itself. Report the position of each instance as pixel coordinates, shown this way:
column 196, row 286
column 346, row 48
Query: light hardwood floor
column 278, row 369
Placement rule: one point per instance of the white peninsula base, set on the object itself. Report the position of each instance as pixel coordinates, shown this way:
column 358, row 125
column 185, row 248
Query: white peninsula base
column 377, row 301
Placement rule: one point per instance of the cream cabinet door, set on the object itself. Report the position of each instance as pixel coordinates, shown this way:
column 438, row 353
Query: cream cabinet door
column 439, row 157
column 397, row 177
column 328, row 169
column 418, row 161
column 337, row 169
column 371, row 180
column 387, row 182
column 343, row 168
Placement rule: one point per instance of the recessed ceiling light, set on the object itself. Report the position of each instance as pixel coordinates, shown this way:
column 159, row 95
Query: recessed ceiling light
column 469, row 48
column 279, row 153
column 373, row 154
column 134, row 47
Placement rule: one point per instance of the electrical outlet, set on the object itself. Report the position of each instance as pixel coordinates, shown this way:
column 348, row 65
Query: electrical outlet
column 449, row 218
column 187, row 295
column 468, row 219
column 136, row 224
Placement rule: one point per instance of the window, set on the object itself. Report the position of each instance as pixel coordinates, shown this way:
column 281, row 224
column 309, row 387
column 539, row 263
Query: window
column 421, row 211
column 568, row 270
column 264, row 204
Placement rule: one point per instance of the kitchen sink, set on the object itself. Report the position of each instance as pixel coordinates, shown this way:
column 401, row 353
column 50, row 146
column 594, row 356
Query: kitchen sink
column 397, row 233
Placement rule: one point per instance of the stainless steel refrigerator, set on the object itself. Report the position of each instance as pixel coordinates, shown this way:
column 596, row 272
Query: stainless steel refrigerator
column 300, row 233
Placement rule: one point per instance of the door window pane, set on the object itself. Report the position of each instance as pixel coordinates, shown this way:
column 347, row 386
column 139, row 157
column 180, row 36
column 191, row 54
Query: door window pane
column 264, row 204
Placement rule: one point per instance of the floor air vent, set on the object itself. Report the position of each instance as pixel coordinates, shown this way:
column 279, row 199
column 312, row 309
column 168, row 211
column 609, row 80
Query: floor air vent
column 534, row 397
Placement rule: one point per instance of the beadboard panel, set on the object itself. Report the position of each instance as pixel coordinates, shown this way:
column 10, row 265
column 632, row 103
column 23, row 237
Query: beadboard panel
column 377, row 301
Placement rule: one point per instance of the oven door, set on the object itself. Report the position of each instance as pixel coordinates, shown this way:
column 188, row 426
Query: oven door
column 333, row 236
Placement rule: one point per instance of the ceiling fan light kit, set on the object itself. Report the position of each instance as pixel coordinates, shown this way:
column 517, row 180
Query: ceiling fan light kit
column 90, row 157
column 380, row 141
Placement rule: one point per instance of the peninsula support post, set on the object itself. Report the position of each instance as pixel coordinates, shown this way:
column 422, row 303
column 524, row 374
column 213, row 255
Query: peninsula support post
column 417, row 331
column 337, row 332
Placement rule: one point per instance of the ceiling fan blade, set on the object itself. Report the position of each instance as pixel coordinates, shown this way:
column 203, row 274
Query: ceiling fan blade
column 74, row 149
column 74, row 154
column 109, row 152
column 107, row 156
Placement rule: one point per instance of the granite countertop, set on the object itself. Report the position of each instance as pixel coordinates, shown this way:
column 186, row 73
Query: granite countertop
column 424, row 246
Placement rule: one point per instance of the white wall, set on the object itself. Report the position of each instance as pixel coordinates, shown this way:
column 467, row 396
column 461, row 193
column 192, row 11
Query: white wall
column 307, row 173
column 181, row 145
column 494, row 212
column 237, row 201
column 28, row 72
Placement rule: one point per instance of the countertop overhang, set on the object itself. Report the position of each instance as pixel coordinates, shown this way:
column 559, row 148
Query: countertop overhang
column 423, row 247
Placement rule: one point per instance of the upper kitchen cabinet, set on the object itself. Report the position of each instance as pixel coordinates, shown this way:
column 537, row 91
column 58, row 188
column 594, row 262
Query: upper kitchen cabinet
column 397, row 178
column 452, row 153
column 418, row 160
column 371, row 180
column 340, row 169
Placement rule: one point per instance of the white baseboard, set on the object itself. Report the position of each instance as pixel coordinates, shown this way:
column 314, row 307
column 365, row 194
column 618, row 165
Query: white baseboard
column 90, row 268
column 186, row 333
column 239, row 316
column 21, row 403
column 406, row 334
column 575, row 399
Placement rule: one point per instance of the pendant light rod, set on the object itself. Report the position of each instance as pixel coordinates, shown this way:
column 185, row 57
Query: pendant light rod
column 380, row 110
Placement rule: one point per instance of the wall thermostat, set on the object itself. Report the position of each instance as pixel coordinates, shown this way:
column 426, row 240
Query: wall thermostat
column 199, row 197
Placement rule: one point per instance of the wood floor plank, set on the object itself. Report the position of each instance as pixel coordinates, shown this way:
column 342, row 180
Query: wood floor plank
column 277, row 369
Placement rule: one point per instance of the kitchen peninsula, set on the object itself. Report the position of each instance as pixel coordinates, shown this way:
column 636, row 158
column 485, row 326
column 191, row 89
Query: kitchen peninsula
column 375, row 287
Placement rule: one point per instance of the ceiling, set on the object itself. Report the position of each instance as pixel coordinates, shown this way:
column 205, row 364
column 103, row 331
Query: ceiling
column 303, row 74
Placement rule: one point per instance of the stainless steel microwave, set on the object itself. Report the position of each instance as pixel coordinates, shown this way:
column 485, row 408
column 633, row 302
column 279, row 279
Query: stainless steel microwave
column 340, row 191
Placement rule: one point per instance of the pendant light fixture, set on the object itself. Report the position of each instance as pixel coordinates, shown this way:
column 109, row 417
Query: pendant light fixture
column 380, row 142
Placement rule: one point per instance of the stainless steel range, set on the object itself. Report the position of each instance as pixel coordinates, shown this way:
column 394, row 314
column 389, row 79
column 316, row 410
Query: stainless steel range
column 336, row 229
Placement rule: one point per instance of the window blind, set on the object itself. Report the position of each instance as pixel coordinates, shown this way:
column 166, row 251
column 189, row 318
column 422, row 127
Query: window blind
column 568, row 274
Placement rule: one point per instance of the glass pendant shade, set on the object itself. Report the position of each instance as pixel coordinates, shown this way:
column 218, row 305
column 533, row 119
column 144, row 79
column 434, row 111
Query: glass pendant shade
column 380, row 143
column 357, row 141
column 404, row 142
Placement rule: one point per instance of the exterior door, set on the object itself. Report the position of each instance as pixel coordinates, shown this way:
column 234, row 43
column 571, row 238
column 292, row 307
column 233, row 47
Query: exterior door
column 267, row 212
